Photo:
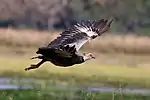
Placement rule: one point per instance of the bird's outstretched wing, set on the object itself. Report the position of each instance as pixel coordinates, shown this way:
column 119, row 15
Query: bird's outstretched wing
column 81, row 32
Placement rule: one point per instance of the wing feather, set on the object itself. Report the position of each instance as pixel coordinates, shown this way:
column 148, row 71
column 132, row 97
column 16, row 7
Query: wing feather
column 81, row 32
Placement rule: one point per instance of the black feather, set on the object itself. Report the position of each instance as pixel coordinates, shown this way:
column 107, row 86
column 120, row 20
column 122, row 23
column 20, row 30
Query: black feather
column 73, row 34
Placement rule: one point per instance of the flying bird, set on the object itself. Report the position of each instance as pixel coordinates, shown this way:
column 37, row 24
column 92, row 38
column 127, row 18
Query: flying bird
column 64, row 50
column 60, row 56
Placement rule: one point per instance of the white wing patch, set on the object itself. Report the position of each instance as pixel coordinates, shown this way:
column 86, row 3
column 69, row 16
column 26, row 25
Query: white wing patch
column 78, row 44
column 87, row 30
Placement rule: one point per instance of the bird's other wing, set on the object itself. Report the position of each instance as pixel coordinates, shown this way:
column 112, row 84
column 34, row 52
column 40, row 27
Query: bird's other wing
column 81, row 32
column 59, row 51
column 65, row 51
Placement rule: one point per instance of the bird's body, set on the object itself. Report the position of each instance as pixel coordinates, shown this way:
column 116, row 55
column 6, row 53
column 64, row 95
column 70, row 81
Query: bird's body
column 60, row 57
column 63, row 51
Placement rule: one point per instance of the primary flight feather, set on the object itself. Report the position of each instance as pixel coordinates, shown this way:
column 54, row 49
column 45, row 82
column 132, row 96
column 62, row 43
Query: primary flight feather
column 82, row 32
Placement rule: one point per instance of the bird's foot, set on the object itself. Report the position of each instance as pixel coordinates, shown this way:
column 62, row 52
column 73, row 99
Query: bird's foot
column 31, row 67
column 34, row 57
column 26, row 69
column 40, row 57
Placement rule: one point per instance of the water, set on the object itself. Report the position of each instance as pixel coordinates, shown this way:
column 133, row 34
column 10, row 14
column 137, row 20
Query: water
column 118, row 90
column 6, row 83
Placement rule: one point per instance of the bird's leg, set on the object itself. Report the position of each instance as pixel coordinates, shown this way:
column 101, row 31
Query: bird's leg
column 33, row 66
column 40, row 57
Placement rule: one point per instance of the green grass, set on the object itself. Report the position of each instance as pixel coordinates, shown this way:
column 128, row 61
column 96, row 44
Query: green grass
column 48, row 90
column 89, row 73
column 66, row 95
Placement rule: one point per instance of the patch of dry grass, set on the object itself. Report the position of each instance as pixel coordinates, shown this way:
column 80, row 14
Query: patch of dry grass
column 106, row 43
column 27, row 38
column 122, row 43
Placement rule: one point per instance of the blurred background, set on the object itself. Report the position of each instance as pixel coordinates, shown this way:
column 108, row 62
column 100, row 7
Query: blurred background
column 130, row 16
column 122, row 53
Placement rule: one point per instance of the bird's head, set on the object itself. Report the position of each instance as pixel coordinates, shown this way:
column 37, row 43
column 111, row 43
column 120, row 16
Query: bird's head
column 88, row 56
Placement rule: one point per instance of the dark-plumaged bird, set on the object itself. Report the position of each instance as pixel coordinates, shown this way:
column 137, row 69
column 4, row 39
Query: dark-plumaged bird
column 63, row 51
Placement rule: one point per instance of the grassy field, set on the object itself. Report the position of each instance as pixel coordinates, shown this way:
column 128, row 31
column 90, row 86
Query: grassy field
column 94, row 72
column 120, row 61
column 51, row 91
column 66, row 95
column 118, row 67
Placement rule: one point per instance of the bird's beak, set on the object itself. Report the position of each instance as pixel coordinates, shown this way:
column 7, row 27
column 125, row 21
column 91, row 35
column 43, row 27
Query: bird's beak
column 93, row 57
